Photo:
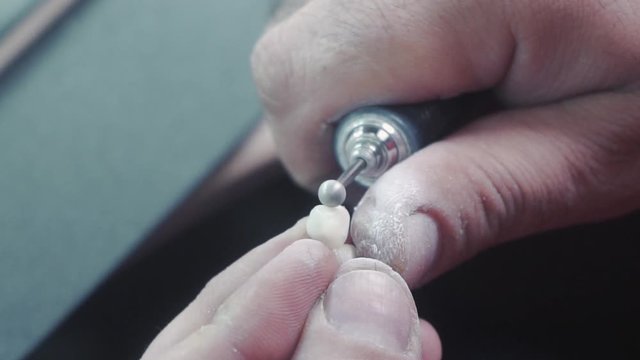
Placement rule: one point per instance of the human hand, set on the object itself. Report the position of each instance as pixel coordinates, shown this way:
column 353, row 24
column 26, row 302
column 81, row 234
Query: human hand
column 565, row 151
column 291, row 299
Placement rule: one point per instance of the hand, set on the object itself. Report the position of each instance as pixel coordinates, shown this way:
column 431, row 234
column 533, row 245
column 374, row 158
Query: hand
column 291, row 299
column 566, row 151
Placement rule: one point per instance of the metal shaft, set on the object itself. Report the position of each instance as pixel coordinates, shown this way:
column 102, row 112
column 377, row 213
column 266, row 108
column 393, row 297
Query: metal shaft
column 352, row 172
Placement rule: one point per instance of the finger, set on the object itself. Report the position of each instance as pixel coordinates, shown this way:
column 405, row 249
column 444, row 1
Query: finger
column 285, row 8
column 367, row 313
column 332, row 56
column 431, row 344
column 264, row 317
column 502, row 178
column 199, row 312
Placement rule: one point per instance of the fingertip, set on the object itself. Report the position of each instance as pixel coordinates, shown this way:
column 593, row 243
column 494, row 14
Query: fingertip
column 312, row 254
column 345, row 253
column 264, row 317
column 387, row 316
column 422, row 248
column 389, row 225
column 366, row 313
column 301, row 223
column 431, row 343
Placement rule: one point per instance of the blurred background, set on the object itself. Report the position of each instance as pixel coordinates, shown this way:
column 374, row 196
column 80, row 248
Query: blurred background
column 120, row 122
column 111, row 114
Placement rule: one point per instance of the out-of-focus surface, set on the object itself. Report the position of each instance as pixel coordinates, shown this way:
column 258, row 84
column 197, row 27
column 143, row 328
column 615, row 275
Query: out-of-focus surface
column 104, row 127
column 28, row 26
column 11, row 11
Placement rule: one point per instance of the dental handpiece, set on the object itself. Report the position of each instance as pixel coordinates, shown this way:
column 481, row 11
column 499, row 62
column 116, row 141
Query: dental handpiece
column 371, row 140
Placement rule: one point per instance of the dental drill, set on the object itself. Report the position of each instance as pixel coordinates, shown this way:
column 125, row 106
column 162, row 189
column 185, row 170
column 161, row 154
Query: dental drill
column 371, row 140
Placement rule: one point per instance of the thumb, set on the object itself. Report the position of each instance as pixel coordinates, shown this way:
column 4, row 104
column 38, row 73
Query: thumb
column 503, row 177
column 366, row 313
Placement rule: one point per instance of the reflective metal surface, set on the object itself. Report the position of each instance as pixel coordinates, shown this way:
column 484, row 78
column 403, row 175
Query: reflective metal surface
column 376, row 135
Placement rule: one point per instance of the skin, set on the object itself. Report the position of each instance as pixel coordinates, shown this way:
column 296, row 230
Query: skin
column 566, row 150
column 293, row 299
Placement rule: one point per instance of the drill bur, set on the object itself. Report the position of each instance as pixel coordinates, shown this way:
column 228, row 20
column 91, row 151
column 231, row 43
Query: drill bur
column 333, row 192
column 352, row 172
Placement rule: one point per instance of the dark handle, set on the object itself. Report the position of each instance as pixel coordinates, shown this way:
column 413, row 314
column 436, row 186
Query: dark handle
column 435, row 120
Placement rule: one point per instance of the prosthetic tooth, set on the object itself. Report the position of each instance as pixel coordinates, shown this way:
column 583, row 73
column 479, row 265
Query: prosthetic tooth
column 330, row 225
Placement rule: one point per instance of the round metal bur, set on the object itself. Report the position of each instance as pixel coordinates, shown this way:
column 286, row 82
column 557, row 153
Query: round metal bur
column 332, row 193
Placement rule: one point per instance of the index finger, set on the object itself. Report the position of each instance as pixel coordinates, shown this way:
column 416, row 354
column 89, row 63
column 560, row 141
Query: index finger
column 332, row 56
column 221, row 287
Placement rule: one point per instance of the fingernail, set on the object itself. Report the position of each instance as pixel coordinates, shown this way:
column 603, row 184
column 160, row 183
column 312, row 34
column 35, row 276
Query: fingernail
column 421, row 247
column 372, row 306
column 399, row 235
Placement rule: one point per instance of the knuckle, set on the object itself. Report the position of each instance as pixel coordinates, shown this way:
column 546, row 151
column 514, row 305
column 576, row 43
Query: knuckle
column 492, row 192
column 499, row 193
column 610, row 150
column 488, row 192
column 271, row 64
column 286, row 8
